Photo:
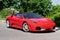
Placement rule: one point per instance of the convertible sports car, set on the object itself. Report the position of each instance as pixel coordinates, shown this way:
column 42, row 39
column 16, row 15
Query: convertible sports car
column 30, row 22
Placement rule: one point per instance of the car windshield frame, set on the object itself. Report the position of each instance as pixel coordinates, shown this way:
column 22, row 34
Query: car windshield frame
column 18, row 14
column 32, row 15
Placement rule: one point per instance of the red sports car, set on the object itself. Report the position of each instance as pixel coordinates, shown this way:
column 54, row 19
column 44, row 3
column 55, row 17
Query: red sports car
column 30, row 22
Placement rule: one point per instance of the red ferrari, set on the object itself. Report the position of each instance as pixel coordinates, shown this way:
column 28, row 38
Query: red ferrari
column 30, row 22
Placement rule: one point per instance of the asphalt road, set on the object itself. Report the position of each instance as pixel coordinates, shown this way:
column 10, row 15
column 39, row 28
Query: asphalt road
column 14, row 34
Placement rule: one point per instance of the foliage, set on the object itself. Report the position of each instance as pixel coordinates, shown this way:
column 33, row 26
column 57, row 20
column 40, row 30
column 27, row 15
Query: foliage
column 4, row 13
column 42, row 7
column 57, row 17
column 1, row 5
column 55, row 14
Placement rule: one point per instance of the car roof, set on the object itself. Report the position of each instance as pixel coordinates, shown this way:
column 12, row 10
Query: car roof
column 26, row 13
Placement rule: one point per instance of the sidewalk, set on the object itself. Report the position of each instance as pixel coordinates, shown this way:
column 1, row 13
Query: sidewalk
column 2, row 21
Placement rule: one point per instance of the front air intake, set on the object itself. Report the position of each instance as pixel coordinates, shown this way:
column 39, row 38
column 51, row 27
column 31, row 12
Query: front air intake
column 38, row 28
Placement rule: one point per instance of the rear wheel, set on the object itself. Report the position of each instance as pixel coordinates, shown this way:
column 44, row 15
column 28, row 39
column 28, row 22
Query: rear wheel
column 7, row 24
column 25, row 27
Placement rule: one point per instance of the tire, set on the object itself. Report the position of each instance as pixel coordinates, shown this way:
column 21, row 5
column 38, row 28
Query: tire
column 54, row 29
column 7, row 23
column 25, row 27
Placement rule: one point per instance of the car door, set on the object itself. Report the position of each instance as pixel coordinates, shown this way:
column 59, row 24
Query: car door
column 14, row 21
column 19, row 20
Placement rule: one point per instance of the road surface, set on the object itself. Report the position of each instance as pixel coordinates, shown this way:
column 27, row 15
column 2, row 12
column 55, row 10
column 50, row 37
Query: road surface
column 14, row 34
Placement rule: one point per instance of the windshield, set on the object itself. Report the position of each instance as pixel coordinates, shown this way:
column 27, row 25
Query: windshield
column 32, row 15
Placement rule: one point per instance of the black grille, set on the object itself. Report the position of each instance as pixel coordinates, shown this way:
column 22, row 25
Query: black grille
column 38, row 28
column 54, row 27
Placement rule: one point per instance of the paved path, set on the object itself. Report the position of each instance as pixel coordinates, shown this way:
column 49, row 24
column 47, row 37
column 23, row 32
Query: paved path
column 14, row 34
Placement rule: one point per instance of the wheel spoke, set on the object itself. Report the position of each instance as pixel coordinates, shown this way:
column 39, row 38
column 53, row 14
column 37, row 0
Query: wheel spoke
column 25, row 27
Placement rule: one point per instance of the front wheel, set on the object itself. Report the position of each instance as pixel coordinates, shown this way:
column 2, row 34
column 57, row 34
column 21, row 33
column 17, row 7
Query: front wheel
column 25, row 27
column 56, row 28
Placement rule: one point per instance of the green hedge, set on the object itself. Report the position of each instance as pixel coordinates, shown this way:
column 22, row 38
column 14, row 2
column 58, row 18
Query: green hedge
column 56, row 18
column 4, row 13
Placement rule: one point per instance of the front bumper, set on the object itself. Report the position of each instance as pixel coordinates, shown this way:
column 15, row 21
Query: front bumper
column 35, row 27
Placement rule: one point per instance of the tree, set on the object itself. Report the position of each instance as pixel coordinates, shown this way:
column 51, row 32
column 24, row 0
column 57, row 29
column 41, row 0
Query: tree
column 56, row 9
column 1, row 5
column 40, row 6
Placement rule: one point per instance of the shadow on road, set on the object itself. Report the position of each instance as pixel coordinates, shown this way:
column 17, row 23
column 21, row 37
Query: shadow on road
column 15, row 28
column 34, row 32
column 44, row 32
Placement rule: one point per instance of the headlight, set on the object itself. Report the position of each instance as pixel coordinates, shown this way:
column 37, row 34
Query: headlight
column 33, row 21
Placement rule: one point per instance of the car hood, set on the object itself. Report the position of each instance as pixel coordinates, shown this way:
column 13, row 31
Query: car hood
column 41, row 20
column 44, row 22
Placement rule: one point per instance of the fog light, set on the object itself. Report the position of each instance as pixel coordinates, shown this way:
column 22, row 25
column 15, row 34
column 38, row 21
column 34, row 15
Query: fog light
column 42, row 29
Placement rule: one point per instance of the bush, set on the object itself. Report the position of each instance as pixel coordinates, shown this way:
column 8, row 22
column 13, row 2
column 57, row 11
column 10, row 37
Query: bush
column 4, row 13
column 57, row 20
